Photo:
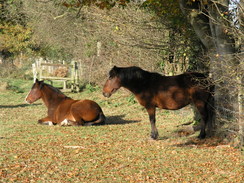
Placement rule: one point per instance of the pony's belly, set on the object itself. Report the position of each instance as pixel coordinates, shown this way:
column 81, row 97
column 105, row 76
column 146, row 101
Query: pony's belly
column 173, row 100
column 172, row 104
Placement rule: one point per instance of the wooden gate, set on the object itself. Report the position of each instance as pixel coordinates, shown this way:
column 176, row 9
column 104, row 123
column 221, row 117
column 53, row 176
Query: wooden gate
column 62, row 72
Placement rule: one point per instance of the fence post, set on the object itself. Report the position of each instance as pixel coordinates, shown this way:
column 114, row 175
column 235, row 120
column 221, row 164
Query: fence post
column 72, row 76
column 40, row 75
column 76, row 77
column 34, row 70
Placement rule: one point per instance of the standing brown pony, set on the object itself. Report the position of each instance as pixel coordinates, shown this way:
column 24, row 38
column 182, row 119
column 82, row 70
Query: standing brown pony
column 64, row 110
column 166, row 92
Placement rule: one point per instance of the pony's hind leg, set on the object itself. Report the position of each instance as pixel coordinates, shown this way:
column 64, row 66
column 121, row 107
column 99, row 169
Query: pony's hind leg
column 67, row 122
column 100, row 121
column 201, row 106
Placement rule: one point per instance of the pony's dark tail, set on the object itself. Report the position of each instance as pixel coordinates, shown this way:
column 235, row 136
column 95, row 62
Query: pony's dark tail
column 99, row 121
column 211, row 112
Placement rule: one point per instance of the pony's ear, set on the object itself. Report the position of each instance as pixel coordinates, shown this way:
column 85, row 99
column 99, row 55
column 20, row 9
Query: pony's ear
column 115, row 69
column 41, row 83
column 113, row 72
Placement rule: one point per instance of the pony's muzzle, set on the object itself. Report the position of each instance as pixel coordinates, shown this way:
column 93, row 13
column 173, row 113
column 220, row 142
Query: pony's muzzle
column 106, row 94
column 28, row 101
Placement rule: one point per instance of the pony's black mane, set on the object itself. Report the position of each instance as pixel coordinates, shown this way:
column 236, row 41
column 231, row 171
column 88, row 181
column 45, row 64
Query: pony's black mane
column 134, row 77
column 131, row 73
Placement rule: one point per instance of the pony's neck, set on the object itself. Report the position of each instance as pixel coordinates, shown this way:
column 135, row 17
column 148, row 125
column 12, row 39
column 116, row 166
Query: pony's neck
column 52, row 98
column 134, row 85
column 141, row 83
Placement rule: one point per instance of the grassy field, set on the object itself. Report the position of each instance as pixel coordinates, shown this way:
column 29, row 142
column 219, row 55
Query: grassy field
column 120, row 151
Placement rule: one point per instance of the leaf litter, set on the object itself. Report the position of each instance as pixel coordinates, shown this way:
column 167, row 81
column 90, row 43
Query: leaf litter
column 118, row 152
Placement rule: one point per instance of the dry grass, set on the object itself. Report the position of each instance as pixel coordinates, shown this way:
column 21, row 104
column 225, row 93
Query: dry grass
column 117, row 152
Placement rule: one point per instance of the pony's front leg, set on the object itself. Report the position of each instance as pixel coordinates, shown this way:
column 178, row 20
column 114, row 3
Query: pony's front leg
column 46, row 121
column 154, row 132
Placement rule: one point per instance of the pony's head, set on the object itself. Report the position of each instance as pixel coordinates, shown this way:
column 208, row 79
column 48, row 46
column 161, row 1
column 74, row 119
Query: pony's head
column 113, row 83
column 35, row 92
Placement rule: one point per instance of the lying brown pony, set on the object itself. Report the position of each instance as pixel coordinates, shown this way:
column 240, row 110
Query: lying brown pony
column 64, row 110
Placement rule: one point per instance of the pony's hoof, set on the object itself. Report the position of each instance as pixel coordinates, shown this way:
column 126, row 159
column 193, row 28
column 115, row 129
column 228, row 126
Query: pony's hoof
column 201, row 136
column 50, row 123
column 154, row 136
column 65, row 122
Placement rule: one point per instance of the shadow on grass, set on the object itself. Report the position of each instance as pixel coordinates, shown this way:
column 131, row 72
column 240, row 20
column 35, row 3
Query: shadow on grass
column 16, row 106
column 207, row 142
column 163, row 138
column 118, row 120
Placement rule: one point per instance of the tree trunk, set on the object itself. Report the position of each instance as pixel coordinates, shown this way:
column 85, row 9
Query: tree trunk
column 210, row 26
column 223, row 66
